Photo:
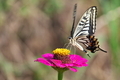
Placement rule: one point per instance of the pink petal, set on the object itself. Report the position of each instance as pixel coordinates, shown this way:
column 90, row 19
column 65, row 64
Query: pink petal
column 72, row 69
column 47, row 56
column 85, row 64
column 58, row 63
column 77, row 65
column 77, row 58
column 44, row 61
column 74, row 57
column 78, row 61
column 69, row 65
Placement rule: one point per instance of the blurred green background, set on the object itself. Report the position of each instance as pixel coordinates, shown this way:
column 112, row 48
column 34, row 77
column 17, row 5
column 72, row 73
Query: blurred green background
column 30, row 28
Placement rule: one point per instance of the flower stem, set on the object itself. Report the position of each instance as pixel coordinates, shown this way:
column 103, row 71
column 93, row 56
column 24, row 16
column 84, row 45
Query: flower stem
column 60, row 75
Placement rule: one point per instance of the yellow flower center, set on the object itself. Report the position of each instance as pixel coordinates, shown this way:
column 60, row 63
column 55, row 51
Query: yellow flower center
column 61, row 51
column 62, row 54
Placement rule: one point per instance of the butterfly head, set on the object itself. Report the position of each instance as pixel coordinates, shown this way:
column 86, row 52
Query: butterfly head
column 70, row 39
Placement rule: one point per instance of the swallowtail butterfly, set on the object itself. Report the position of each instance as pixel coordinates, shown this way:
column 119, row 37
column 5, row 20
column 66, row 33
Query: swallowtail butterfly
column 84, row 32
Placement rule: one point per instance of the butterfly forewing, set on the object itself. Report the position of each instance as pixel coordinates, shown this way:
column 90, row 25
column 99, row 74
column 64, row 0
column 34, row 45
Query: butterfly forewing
column 92, row 20
column 87, row 23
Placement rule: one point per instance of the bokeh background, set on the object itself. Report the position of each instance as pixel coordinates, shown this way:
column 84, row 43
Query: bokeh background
column 30, row 28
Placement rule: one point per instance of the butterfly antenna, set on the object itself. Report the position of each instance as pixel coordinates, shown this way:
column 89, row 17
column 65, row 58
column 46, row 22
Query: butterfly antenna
column 103, row 50
column 74, row 16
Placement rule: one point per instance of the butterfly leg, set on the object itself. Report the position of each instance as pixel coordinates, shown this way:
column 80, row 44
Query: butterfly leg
column 88, row 55
column 73, row 50
column 66, row 45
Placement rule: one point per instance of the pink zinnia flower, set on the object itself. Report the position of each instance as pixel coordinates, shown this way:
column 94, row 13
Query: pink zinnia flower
column 62, row 60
